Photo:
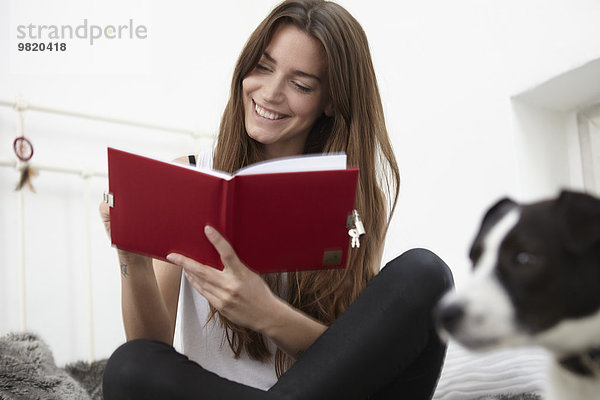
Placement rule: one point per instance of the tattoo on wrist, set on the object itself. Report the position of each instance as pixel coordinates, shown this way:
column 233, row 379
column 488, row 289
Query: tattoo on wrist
column 123, row 269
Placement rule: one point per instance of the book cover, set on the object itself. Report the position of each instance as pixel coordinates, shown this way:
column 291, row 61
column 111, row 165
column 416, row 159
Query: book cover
column 281, row 215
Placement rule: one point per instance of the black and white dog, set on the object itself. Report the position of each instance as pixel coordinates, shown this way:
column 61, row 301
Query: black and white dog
column 536, row 281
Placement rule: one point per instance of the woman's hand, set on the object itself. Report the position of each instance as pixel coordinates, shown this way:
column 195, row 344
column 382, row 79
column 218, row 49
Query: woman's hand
column 147, row 304
column 244, row 298
column 126, row 258
column 237, row 292
column 105, row 216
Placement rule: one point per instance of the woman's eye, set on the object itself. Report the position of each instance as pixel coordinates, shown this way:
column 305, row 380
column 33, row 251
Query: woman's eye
column 302, row 88
column 261, row 67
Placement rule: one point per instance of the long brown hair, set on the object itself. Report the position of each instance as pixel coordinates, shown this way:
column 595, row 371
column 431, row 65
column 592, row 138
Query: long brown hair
column 357, row 128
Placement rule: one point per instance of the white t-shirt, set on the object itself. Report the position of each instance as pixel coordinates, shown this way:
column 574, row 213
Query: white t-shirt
column 205, row 343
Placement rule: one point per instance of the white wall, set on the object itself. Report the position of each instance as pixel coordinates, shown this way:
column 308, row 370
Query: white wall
column 447, row 72
column 549, row 143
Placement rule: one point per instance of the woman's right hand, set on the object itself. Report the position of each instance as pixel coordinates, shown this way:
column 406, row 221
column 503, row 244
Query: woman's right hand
column 124, row 256
column 146, row 312
column 105, row 216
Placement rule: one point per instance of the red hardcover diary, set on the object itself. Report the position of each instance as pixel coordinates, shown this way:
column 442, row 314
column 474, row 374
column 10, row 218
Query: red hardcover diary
column 275, row 221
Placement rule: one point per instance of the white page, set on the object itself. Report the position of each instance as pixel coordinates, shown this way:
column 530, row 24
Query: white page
column 302, row 163
column 309, row 162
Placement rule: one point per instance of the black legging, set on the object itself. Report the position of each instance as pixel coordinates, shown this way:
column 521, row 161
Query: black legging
column 383, row 346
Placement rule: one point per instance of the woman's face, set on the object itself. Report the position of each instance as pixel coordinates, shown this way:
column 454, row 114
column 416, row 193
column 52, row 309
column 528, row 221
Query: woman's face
column 286, row 92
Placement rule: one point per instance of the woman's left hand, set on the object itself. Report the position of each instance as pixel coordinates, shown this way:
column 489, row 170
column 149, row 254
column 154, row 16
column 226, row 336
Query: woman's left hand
column 237, row 292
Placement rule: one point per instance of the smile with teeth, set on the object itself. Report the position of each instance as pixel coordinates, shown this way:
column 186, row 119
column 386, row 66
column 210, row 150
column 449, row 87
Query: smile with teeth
column 267, row 114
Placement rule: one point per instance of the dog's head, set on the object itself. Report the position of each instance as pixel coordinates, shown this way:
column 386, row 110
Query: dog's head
column 536, row 278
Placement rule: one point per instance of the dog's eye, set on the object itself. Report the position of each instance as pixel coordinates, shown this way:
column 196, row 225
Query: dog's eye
column 525, row 258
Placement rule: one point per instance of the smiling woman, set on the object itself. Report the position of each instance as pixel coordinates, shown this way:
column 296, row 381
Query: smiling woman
column 304, row 83
column 286, row 92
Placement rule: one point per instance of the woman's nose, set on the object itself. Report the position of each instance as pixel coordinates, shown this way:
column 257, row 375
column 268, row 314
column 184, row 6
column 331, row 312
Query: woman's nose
column 273, row 89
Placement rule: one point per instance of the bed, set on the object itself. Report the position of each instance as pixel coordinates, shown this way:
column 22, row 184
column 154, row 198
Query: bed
column 28, row 371
column 27, row 363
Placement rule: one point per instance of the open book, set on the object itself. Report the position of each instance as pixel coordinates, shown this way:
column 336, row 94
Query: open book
column 282, row 215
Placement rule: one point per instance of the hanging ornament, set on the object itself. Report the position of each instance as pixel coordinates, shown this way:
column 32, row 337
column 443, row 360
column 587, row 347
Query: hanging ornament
column 26, row 173
column 24, row 151
column 23, row 148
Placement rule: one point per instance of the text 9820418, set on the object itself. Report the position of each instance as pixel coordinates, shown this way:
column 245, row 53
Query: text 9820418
column 43, row 46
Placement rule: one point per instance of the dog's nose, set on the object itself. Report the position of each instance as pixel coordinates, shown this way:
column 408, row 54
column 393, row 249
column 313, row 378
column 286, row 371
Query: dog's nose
column 449, row 316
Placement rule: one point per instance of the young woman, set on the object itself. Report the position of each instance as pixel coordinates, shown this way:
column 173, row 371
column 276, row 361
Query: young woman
column 304, row 83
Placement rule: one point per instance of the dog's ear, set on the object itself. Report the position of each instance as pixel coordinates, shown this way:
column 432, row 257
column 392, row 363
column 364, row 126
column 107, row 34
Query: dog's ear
column 499, row 209
column 582, row 219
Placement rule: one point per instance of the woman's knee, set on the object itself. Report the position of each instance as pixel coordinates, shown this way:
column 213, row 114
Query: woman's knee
column 130, row 368
column 423, row 268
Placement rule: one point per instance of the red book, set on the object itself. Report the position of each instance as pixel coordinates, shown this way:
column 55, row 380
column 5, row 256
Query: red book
column 276, row 218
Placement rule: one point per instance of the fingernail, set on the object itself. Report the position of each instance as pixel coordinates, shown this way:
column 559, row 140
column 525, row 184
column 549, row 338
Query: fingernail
column 171, row 258
column 209, row 230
